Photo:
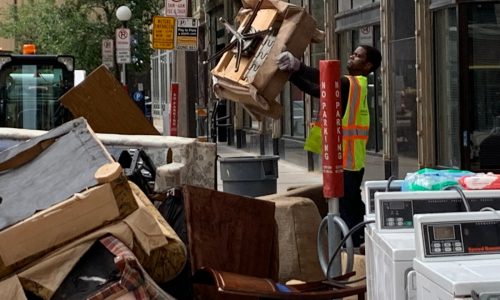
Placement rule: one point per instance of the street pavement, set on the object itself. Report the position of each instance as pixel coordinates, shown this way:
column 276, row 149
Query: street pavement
column 292, row 175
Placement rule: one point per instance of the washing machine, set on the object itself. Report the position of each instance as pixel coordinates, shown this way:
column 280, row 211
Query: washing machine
column 373, row 186
column 392, row 241
column 369, row 267
column 457, row 256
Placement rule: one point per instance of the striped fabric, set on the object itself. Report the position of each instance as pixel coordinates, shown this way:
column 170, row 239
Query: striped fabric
column 133, row 278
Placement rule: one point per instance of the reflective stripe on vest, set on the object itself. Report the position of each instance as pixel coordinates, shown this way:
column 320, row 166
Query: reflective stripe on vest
column 355, row 125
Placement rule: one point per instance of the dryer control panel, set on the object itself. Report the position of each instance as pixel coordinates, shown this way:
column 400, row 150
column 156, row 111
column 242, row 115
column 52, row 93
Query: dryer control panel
column 395, row 211
column 457, row 236
column 462, row 238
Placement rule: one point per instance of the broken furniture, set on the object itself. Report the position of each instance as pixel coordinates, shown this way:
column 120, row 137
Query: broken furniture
column 254, row 80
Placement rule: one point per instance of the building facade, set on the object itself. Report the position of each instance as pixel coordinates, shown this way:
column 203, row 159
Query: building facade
column 432, row 103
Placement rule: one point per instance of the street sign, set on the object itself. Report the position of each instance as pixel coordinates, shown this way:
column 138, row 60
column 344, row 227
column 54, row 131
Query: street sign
column 108, row 54
column 122, row 40
column 187, row 34
column 163, row 32
column 138, row 96
column 177, row 8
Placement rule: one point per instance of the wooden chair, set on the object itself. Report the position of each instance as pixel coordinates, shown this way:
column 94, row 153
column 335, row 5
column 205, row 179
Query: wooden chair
column 233, row 249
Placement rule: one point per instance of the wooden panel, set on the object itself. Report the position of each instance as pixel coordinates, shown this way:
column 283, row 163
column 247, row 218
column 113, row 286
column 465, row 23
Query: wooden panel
column 103, row 101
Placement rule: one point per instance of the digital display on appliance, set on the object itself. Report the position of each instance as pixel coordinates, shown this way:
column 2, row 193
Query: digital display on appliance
column 444, row 232
column 397, row 205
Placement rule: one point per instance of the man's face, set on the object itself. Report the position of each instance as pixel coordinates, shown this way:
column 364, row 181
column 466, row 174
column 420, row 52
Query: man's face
column 357, row 63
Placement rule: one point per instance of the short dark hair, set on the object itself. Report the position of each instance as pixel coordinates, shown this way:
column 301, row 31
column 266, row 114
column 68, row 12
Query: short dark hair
column 373, row 56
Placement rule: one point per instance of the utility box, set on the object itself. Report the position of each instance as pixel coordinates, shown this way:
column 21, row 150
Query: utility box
column 249, row 175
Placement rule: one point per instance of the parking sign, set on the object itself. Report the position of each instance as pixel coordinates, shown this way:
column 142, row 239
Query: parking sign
column 187, row 34
column 163, row 32
column 108, row 55
column 122, row 40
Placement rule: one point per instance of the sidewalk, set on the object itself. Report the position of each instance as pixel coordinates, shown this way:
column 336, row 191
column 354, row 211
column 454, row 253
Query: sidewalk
column 289, row 175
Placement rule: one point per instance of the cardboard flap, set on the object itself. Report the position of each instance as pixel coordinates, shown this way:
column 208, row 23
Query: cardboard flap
column 54, row 225
column 11, row 288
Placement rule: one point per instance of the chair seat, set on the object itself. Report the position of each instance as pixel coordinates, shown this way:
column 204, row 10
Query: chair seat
column 239, row 284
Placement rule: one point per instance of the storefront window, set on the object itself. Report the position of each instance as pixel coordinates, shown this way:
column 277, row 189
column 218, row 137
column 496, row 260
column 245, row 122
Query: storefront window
column 287, row 116
column 161, row 65
column 344, row 5
column 484, row 75
column 446, row 88
column 358, row 3
column 403, row 77
column 317, row 49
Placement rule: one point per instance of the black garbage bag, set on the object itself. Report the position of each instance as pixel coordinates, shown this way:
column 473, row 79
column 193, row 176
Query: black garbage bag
column 172, row 209
column 138, row 167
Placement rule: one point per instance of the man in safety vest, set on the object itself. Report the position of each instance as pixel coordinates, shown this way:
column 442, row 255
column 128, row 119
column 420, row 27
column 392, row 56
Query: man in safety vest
column 355, row 122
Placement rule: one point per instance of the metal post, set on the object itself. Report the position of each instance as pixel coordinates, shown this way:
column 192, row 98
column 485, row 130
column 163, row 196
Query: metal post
column 123, row 77
column 334, row 237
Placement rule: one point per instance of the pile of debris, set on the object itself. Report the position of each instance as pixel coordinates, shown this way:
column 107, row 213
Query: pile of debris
column 73, row 224
column 77, row 212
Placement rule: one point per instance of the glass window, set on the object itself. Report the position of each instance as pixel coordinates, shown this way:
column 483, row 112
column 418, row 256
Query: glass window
column 358, row 3
column 29, row 93
column 297, row 110
column 446, row 88
column 285, row 100
column 484, row 75
column 317, row 49
column 343, row 5
column 403, row 77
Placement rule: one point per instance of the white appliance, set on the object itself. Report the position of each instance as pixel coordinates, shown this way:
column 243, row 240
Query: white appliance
column 369, row 267
column 393, row 255
column 373, row 186
column 457, row 256
column 390, row 244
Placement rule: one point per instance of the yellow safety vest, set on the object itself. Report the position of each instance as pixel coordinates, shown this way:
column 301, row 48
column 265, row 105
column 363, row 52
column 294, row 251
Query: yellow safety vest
column 355, row 125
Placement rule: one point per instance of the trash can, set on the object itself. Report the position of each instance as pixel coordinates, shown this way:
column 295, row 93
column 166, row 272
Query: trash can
column 249, row 175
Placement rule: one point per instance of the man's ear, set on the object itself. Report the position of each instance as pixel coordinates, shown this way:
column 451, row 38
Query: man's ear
column 367, row 68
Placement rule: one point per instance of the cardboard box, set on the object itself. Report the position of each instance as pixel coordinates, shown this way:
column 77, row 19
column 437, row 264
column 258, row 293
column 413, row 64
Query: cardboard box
column 11, row 288
column 258, row 81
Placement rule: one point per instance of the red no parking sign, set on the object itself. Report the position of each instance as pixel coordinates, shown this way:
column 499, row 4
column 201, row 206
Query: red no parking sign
column 331, row 126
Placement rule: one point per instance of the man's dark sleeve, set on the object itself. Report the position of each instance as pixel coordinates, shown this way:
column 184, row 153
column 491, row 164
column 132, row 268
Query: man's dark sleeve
column 307, row 80
column 345, row 85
